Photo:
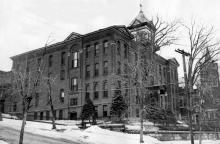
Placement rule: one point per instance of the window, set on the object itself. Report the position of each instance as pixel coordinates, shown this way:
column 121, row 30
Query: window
column 87, row 71
column 164, row 73
column 61, row 114
column 73, row 101
column 28, row 67
column 62, row 74
column 119, row 68
column 15, row 106
column 50, row 61
column 151, row 80
column 125, row 69
column 96, row 51
column 96, row 69
column 125, row 51
column 105, row 89
column 75, row 61
column 137, row 112
column 87, row 90
column 41, row 115
column 105, row 110
column 49, row 74
column 62, row 94
column 96, row 93
column 105, row 46
column 47, row 115
column 37, row 99
column 160, row 73
column 137, row 100
column 55, row 114
column 118, row 48
column 48, row 98
column 96, row 111
column 105, row 68
column 87, row 51
column 74, row 84
column 35, row 115
column 63, row 55
column 119, row 84
column 38, row 62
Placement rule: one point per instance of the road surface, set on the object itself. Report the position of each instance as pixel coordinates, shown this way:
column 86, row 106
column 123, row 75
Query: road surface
column 11, row 136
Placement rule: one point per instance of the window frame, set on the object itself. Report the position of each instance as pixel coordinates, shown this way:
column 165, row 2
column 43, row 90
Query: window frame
column 50, row 60
column 74, row 86
column 75, row 60
column 63, row 59
column 62, row 95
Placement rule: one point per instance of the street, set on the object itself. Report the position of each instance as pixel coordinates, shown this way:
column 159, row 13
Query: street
column 12, row 136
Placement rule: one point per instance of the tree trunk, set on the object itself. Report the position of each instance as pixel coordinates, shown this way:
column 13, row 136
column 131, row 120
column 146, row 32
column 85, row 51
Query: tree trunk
column 51, row 105
column 190, row 112
column 0, row 115
column 141, row 131
column 200, row 133
column 191, row 127
column 22, row 127
column 53, row 116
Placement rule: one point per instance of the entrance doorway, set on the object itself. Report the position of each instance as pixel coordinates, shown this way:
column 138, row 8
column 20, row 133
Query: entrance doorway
column 73, row 115
column 41, row 115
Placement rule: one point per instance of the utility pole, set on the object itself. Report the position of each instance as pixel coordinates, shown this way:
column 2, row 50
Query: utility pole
column 187, row 91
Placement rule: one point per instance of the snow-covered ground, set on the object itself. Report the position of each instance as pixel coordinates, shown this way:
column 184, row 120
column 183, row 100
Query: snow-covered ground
column 3, row 142
column 148, row 126
column 92, row 135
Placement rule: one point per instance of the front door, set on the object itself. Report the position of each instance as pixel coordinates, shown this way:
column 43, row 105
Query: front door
column 73, row 116
column 41, row 115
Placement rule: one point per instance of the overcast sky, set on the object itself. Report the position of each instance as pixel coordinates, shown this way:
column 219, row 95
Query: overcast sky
column 26, row 24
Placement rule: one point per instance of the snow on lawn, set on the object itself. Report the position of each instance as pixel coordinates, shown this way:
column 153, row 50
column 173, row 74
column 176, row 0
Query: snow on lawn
column 97, row 135
column 92, row 135
column 3, row 142
column 195, row 142
column 148, row 126
column 9, row 116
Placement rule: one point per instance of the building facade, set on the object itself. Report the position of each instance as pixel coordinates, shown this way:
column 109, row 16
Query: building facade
column 93, row 65
column 5, row 88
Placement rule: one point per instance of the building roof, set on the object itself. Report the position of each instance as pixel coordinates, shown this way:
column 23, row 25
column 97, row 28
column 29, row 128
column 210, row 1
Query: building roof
column 140, row 18
column 119, row 28
column 73, row 35
column 174, row 61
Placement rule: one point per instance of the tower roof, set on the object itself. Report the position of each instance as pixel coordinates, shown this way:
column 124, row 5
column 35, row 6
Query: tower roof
column 140, row 18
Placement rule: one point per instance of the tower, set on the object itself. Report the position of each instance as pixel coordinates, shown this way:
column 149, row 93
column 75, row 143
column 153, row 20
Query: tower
column 142, row 28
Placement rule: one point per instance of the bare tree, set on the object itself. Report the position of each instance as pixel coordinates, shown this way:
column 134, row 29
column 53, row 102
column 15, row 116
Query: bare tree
column 165, row 33
column 25, row 85
column 158, row 35
column 203, row 50
column 49, row 81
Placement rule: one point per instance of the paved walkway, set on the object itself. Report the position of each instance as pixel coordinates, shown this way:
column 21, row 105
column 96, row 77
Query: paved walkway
column 12, row 136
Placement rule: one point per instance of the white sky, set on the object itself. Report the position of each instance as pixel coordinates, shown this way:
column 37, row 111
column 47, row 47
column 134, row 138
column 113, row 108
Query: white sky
column 26, row 24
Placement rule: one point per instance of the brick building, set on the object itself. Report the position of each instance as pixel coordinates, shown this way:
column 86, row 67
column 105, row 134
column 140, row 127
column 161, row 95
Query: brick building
column 210, row 92
column 91, row 65
column 5, row 85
